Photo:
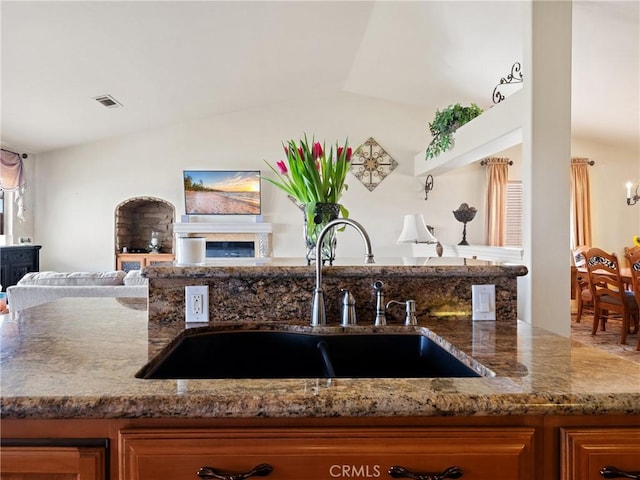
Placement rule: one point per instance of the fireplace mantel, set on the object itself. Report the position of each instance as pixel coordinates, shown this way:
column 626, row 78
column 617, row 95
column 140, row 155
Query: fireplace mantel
column 257, row 232
column 231, row 227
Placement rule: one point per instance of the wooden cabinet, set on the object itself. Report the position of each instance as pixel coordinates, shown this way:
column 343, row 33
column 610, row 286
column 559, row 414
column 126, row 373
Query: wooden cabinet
column 535, row 447
column 586, row 451
column 135, row 261
column 16, row 261
column 53, row 462
column 503, row 453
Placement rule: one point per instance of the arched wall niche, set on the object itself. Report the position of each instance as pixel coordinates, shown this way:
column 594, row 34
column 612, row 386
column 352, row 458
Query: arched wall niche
column 137, row 217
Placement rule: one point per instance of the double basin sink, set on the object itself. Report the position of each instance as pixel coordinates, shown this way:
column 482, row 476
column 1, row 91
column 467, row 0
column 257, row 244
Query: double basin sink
column 284, row 354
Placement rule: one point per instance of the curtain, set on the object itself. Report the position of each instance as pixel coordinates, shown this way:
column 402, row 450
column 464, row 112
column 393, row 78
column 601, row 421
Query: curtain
column 497, row 177
column 580, row 202
column 12, row 178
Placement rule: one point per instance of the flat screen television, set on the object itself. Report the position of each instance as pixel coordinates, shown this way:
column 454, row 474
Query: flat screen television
column 222, row 192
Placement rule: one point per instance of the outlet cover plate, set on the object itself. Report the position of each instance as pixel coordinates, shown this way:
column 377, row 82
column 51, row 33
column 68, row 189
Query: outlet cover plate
column 483, row 301
column 196, row 303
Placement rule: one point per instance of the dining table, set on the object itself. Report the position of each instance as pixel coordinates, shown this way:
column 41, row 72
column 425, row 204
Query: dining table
column 625, row 273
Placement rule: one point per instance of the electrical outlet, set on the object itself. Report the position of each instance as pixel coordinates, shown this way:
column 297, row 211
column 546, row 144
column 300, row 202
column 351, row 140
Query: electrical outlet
column 196, row 301
column 483, row 301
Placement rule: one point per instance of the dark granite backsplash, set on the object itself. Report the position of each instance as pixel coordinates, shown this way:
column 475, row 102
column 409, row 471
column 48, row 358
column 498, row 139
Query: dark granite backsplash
column 282, row 293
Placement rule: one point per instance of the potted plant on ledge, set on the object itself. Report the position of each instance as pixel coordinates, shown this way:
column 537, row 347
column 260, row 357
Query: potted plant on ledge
column 445, row 123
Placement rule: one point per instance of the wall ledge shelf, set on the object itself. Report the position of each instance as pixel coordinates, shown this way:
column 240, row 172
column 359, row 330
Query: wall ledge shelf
column 496, row 129
column 478, row 252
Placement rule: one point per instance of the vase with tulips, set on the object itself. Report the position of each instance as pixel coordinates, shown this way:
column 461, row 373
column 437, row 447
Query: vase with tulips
column 314, row 179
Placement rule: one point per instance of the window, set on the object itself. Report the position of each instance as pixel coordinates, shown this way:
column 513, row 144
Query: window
column 513, row 237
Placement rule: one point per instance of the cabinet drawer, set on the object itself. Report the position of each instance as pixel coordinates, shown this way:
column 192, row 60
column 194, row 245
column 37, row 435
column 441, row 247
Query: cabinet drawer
column 321, row 454
column 59, row 463
column 586, row 450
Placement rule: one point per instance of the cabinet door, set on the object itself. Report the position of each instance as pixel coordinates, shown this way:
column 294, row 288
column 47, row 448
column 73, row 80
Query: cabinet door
column 159, row 259
column 321, row 454
column 53, row 463
column 585, row 451
column 16, row 262
column 130, row 261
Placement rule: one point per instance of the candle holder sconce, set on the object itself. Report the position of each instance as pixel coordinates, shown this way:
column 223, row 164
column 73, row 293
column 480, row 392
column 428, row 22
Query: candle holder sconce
column 632, row 199
column 428, row 186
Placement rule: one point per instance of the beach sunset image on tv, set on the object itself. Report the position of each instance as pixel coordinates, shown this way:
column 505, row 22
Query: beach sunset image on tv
column 217, row 192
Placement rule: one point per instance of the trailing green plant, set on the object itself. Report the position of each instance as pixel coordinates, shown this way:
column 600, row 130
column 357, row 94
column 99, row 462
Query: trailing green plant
column 445, row 123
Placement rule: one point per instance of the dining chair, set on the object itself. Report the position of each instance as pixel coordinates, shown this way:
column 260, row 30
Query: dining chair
column 581, row 286
column 633, row 258
column 627, row 252
column 608, row 292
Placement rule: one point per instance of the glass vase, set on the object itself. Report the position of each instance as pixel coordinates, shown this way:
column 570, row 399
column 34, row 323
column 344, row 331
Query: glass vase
column 316, row 217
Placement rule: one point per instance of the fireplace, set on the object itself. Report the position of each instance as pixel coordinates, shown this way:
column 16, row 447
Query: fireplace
column 239, row 249
column 230, row 240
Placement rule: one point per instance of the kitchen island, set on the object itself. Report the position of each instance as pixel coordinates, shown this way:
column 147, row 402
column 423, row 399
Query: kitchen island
column 68, row 380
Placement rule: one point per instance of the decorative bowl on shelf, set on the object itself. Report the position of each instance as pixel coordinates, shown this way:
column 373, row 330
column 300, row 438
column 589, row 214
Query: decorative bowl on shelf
column 465, row 214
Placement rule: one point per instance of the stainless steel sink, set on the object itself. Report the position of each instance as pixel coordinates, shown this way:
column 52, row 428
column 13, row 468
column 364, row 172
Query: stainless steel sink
column 277, row 354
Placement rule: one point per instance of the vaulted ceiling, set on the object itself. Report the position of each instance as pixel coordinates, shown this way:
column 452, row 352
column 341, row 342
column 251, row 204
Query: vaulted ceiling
column 172, row 61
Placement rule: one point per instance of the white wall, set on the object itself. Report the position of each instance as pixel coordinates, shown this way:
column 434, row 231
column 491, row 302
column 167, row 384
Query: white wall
column 77, row 189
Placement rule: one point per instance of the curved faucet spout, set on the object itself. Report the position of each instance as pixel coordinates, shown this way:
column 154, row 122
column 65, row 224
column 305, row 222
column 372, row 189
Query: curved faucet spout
column 318, row 314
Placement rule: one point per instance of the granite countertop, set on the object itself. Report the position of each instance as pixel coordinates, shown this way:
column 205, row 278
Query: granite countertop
column 283, row 266
column 77, row 358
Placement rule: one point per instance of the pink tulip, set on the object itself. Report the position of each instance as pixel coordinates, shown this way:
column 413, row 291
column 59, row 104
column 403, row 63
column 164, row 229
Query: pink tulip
column 317, row 150
column 301, row 152
column 341, row 149
column 282, row 167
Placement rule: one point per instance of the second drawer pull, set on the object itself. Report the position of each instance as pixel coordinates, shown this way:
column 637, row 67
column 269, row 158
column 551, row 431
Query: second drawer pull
column 401, row 472
column 261, row 470
column 613, row 472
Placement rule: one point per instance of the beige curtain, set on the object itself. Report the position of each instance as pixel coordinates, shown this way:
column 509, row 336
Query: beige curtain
column 580, row 202
column 497, row 177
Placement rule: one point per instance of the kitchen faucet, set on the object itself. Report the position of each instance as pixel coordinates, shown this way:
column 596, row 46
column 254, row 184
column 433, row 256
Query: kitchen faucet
column 318, row 313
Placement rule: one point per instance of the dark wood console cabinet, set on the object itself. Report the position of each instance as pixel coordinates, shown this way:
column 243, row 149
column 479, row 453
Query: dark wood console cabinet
column 15, row 261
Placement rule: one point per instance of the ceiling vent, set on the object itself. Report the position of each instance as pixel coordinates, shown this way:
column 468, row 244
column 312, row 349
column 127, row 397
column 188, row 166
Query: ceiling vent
column 107, row 101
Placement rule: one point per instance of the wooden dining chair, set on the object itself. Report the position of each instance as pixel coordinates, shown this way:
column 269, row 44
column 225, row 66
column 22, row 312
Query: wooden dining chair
column 581, row 286
column 633, row 258
column 609, row 294
column 629, row 251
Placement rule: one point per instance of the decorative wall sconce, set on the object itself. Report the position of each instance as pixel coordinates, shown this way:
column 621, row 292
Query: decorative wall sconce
column 632, row 199
column 428, row 186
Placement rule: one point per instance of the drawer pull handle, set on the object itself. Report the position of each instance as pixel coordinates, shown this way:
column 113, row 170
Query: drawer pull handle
column 401, row 472
column 261, row 470
column 613, row 472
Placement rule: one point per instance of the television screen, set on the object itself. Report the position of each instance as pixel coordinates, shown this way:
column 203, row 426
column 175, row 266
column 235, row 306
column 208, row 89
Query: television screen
column 218, row 192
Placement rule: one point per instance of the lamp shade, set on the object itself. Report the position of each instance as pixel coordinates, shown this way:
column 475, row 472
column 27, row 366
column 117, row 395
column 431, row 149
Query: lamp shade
column 414, row 230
